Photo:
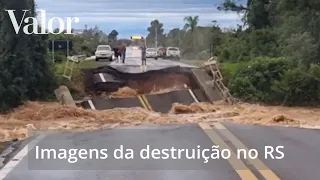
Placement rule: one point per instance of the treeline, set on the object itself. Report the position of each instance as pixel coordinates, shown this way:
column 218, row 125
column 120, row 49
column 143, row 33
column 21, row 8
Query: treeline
column 280, row 49
column 273, row 57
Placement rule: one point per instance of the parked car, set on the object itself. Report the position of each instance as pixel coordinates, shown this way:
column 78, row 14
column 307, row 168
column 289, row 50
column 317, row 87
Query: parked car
column 152, row 53
column 161, row 52
column 173, row 53
column 104, row 52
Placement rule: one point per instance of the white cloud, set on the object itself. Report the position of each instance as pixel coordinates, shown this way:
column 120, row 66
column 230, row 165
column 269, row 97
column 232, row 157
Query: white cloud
column 137, row 14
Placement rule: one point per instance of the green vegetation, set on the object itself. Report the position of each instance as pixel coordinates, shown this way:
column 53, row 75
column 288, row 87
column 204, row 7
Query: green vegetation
column 83, row 64
column 76, row 84
column 25, row 73
column 26, row 69
column 273, row 58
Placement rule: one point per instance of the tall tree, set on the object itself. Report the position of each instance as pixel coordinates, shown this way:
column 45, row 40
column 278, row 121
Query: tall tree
column 191, row 24
column 156, row 32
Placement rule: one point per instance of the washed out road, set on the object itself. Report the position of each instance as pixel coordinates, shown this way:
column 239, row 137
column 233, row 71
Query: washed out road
column 295, row 154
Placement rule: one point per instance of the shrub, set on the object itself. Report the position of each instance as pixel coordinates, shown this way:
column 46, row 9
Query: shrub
column 299, row 86
column 59, row 57
column 276, row 80
column 253, row 82
column 228, row 70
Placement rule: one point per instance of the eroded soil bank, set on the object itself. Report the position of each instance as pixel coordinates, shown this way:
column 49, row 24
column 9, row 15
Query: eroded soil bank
column 152, row 85
column 143, row 83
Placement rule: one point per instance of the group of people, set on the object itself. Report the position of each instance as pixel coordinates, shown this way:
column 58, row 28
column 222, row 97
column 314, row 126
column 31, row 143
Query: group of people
column 120, row 52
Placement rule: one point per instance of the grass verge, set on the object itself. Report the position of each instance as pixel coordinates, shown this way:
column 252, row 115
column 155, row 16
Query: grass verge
column 76, row 84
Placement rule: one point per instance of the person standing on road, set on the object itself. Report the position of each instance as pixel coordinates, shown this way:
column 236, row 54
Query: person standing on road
column 143, row 55
column 123, row 50
column 116, row 52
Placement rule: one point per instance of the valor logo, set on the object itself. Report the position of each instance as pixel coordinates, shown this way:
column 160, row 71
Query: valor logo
column 33, row 22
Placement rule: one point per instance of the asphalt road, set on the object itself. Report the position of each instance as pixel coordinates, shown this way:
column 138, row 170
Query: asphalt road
column 133, row 58
column 301, row 149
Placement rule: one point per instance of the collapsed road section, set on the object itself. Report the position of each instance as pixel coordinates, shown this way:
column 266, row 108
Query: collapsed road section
column 155, row 89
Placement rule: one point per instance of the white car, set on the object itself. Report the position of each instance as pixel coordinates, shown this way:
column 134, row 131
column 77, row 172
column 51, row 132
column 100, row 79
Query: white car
column 173, row 52
column 104, row 52
column 151, row 53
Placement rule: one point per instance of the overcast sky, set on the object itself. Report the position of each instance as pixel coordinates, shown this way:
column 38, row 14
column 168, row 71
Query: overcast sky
column 132, row 17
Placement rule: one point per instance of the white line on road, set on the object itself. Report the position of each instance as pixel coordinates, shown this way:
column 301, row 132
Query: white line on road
column 193, row 96
column 91, row 105
column 102, row 77
column 18, row 157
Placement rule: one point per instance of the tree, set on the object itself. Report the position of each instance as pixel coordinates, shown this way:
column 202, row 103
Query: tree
column 191, row 24
column 25, row 73
column 155, row 32
column 112, row 37
column 174, row 37
column 216, row 37
column 257, row 13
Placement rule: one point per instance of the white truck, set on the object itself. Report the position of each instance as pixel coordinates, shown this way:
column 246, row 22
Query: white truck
column 104, row 52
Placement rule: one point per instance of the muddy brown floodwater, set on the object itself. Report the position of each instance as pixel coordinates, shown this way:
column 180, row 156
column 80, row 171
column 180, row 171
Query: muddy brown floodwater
column 45, row 115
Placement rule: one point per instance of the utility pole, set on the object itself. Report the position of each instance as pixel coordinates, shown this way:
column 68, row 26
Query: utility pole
column 156, row 38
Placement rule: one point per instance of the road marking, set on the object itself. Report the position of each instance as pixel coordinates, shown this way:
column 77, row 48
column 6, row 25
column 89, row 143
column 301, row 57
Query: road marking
column 91, row 105
column 147, row 102
column 102, row 77
column 18, row 157
column 258, row 164
column 193, row 96
column 242, row 170
column 142, row 102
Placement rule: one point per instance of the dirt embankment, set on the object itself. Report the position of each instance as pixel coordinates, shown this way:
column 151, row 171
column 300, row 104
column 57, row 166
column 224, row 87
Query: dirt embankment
column 148, row 85
column 156, row 84
column 153, row 85
column 42, row 116
column 126, row 92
